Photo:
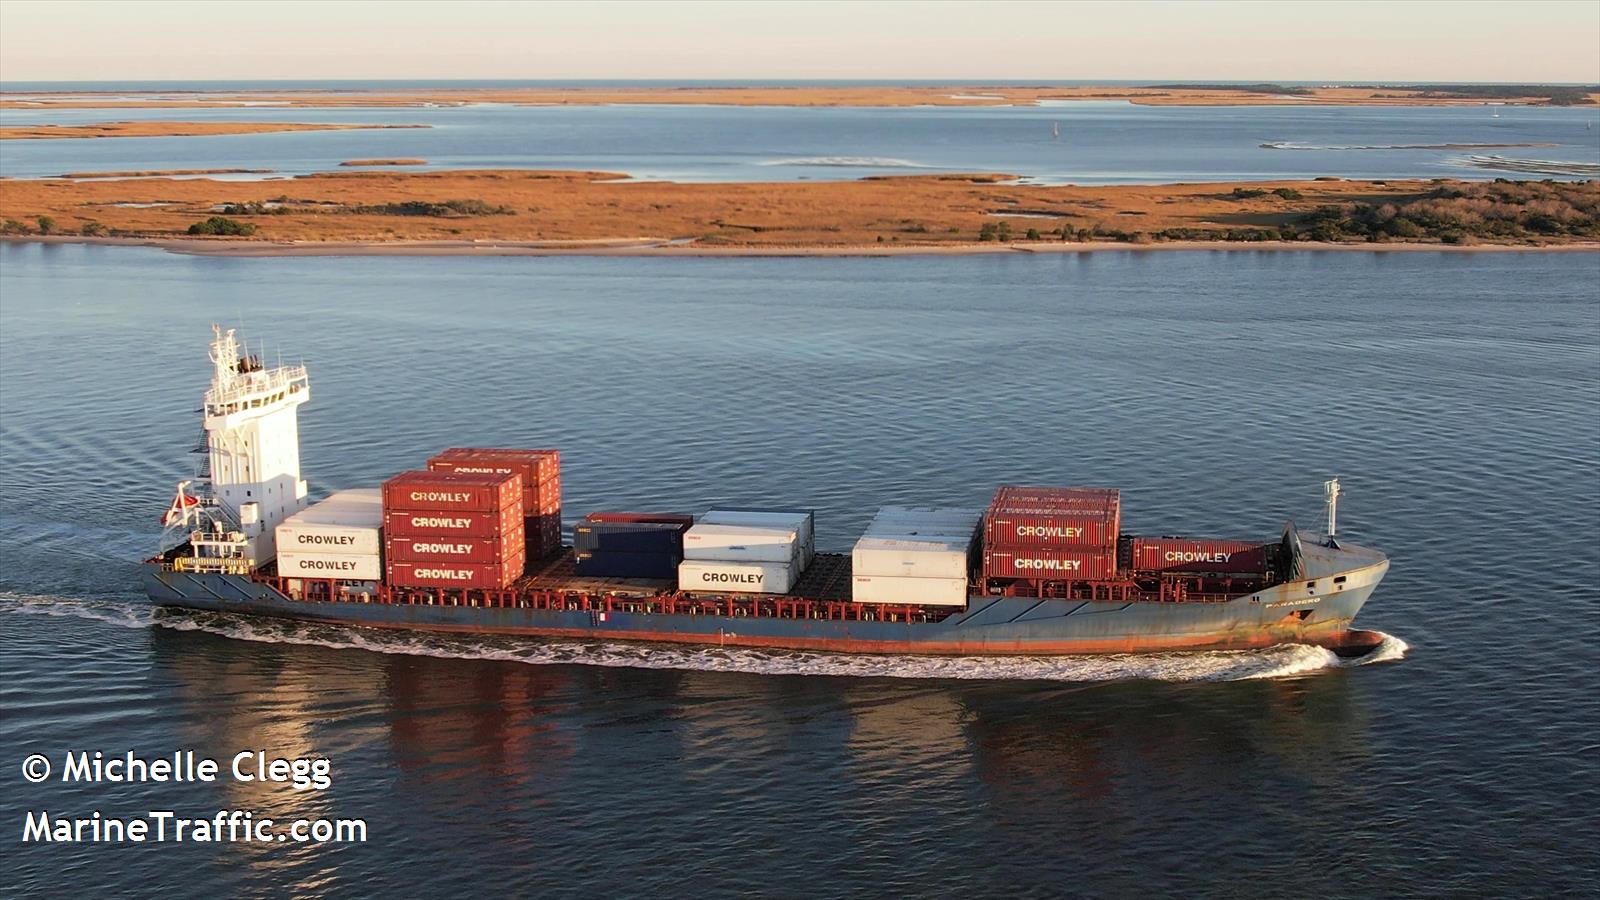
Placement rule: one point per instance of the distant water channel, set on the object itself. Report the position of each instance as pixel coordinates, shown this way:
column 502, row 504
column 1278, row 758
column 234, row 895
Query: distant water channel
column 1098, row 141
column 1457, row 394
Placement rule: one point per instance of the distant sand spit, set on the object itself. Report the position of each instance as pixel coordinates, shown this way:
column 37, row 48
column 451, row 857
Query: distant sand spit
column 951, row 95
column 165, row 173
column 166, row 129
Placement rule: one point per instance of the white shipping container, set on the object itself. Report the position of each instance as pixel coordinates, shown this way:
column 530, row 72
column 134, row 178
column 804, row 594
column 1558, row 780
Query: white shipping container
column 357, row 506
column 342, row 566
column 724, row 577
column 912, row 558
column 347, row 522
column 712, row 541
column 918, row 591
column 342, row 539
column 799, row 521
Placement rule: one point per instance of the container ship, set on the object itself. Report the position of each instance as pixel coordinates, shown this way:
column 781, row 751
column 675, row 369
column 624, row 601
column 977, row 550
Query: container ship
column 473, row 541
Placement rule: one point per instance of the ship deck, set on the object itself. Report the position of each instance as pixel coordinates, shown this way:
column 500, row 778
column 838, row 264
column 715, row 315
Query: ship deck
column 823, row 592
column 827, row 578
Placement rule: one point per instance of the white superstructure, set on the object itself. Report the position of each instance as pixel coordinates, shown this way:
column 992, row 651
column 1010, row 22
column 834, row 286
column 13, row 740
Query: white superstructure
column 252, row 432
column 251, row 481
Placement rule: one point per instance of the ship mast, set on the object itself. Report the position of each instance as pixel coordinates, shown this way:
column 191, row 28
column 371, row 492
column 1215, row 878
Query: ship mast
column 1330, row 496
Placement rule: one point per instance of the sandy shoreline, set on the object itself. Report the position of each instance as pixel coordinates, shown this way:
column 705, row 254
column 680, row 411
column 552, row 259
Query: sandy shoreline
column 270, row 249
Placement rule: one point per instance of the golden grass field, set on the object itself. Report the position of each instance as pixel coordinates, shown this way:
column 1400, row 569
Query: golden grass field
column 540, row 206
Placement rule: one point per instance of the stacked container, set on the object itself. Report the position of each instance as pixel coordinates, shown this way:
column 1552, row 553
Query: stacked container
column 653, row 518
column 911, row 555
column 629, row 545
column 541, row 487
column 747, row 550
column 1199, row 556
column 337, row 538
column 1052, row 534
column 453, row 529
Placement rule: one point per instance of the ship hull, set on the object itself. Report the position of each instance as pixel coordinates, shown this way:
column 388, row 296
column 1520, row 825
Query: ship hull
column 1314, row 613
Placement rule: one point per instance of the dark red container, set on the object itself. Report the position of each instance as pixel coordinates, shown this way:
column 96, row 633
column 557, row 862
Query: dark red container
column 537, row 465
column 641, row 518
column 453, row 491
column 450, row 524
column 1198, row 555
column 546, row 501
column 1050, row 564
column 1058, row 498
column 1053, row 517
column 480, row 576
column 1042, row 528
column 540, row 470
column 454, row 549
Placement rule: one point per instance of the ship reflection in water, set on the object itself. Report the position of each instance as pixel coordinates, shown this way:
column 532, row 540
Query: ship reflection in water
column 542, row 767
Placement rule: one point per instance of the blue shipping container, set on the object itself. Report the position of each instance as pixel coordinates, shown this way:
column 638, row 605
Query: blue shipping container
column 628, row 537
column 600, row 564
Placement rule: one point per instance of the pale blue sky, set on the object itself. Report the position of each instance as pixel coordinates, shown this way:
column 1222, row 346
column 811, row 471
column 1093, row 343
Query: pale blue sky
column 1557, row 40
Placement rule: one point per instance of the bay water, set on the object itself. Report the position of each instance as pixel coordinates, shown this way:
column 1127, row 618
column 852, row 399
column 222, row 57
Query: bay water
column 1457, row 394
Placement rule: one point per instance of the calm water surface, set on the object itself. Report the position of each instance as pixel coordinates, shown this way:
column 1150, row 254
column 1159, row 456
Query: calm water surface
column 1458, row 395
column 1099, row 142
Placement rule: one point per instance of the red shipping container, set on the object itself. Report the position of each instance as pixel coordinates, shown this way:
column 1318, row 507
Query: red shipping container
column 1050, row 564
column 542, row 495
column 538, row 466
column 1198, row 555
column 1053, row 517
column 1058, row 498
column 454, row 549
column 481, row 576
column 547, row 501
column 1036, row 528
column 642, row 518
column 453, row 491
column 467, row 523
column 540, row 469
